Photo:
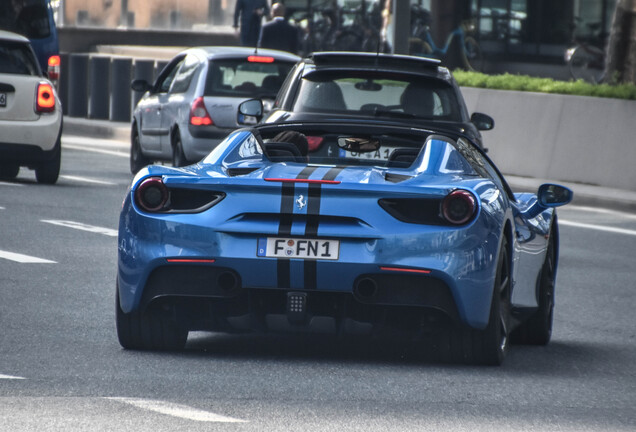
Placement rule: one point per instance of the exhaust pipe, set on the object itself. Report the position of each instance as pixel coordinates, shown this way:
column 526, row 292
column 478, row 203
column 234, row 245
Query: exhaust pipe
column 365, row 289
column 227, row 281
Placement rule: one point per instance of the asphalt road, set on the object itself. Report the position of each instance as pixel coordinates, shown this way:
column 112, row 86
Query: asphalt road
column 62, row 369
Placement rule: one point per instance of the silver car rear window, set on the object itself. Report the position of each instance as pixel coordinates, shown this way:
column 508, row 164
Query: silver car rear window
column 244, row 78
column 18, row 59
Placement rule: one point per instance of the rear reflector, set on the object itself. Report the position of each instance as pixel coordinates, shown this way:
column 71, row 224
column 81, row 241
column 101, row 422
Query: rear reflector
column 260, row 59
column 199, row 116
column 190, row 260
column 405, row 270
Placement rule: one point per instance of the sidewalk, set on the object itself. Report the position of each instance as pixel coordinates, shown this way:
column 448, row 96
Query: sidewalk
column 584, row 195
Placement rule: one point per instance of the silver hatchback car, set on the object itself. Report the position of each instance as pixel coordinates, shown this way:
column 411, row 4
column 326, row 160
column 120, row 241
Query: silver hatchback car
column 193, row 104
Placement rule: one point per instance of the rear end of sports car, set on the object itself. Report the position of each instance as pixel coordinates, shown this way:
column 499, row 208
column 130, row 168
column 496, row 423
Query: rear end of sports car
column 297, row 247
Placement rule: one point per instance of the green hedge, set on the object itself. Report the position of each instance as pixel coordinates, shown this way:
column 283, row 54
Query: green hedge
column 544, row 85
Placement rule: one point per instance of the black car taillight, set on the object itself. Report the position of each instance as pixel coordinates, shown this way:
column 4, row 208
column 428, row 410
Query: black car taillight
column 459, row 207
column 153, row 196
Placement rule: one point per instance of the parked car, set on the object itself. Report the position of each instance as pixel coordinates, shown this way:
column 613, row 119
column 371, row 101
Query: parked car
column 30, row 113
column 192, row 105
column 308, row 227
column 378, row 88
column 34, row 20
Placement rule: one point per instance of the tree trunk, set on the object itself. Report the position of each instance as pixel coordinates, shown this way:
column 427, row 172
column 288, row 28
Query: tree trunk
column 620, row 65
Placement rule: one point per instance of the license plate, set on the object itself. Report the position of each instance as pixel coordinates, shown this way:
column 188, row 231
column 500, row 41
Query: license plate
column 284, row 247
column 3, row 99
column 382, row 154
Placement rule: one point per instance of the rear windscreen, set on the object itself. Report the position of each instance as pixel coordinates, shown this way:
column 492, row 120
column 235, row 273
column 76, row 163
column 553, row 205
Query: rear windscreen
column 242, row 78
column 27, row 17
column 17, row 58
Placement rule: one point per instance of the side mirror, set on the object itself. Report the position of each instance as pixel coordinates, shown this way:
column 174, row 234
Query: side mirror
column 250, row 112
column 140, row 85
column 482, row 121
column 552, row 195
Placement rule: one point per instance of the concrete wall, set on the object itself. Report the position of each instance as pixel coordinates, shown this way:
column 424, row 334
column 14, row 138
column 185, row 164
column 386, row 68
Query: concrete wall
column 567, row 138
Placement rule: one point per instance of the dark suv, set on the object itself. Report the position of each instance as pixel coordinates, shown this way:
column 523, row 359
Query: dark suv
column 376, row 88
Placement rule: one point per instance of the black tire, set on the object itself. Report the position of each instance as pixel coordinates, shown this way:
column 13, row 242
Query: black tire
column 178, row 156
column 537, row 330
column 47, row 172
column 587, row 64
column 137, row 159
column 472, row 56
column 8, row 170
column 151, row 330
column 494, row 340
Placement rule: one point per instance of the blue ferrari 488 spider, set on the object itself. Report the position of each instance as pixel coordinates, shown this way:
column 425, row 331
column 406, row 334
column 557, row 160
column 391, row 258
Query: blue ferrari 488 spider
column 344, row 227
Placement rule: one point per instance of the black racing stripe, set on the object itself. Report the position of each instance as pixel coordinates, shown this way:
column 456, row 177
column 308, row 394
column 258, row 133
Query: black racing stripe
column 283, row 266
column 333, row 173
column 311, row 230
column 306, row 172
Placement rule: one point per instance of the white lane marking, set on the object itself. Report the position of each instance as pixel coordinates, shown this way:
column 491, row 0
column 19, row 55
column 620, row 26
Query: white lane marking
column 25, row 259
column 597, row 227
column 83, row 227
column 94, row 150
column 11, row 377
column 10, row 184
column 176, row 410
column 603, row 211
column 86, row 180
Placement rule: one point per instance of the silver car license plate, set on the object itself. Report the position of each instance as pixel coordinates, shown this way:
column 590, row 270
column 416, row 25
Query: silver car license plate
column 3, row 99
column 285, row 247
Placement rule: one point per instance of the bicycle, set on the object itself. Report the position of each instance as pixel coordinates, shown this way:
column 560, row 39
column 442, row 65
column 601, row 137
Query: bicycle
column 586, row 59
column 421, row 41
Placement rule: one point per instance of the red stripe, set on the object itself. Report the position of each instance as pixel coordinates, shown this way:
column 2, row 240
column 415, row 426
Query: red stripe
column 190, row 260
column 405, row 270
column 286, row 180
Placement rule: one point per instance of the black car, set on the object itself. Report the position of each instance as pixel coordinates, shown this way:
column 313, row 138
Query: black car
column 378, row 88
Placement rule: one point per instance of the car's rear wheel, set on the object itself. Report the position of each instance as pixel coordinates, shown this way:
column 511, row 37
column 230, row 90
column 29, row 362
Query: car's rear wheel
column 178, row 156
column 537, row 330
column 48, row 172
column 150, row 330
column 8, row 170
column 463, row 344
column 137, row 159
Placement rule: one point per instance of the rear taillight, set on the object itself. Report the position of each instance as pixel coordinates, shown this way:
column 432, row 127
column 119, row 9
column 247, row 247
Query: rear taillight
column 152, row 195
column 313, row 143
column 44, row 98
column 459, row 207
column 199, row 116
column 54, row 68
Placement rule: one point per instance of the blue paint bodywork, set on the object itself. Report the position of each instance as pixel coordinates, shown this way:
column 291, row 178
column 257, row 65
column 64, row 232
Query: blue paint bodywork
column 463, row 257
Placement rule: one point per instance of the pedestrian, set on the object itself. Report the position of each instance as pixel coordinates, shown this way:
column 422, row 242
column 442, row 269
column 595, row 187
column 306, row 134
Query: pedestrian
column 279, row 34
column 251, row 13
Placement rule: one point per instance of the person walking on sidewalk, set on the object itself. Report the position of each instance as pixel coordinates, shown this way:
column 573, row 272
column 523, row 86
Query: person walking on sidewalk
column 279, row 34
column 251, row 13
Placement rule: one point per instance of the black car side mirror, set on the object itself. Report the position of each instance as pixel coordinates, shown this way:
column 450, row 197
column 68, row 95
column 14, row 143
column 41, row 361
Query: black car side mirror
column 482, row 121
column 140, row 85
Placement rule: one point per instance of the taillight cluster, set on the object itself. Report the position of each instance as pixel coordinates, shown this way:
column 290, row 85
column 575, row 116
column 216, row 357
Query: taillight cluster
column 458, row 207
column 153, row 196
column 44, row 98
column 53, row 70
column 199, row 115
